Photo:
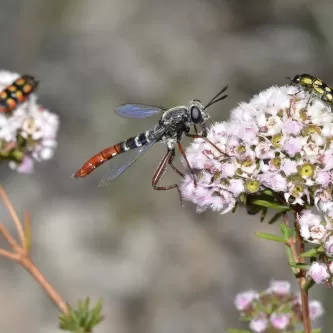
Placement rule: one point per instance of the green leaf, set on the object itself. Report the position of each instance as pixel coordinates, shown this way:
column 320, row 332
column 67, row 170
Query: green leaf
column 270, row 237
column 263, row 214
column 285, row 231
column 235, row 208
column 316, row 330
column 82, row 320
column 291, row 259
column 299, row 265
column 235, row 330
column 253, row 209
column 268, row 192
column 268, row 204
column 312, row 252
column 276, row 217
column 308, row 284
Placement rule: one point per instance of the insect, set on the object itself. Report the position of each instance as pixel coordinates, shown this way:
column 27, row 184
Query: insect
column 315, row 86
column 17, row 93
column 173, row 124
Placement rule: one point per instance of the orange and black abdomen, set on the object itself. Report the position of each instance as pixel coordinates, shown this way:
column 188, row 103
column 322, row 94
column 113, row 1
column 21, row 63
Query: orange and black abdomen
column 97, row 160
column 17, row 93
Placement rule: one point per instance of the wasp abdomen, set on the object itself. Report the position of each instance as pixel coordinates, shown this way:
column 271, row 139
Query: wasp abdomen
column 98, row 159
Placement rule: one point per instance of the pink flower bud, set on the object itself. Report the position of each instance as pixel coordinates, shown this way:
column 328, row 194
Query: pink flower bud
column 280, row 287
column 318, row 272
column 258, row 324
column 243, row 300
column 280, row 321
column 316, row 309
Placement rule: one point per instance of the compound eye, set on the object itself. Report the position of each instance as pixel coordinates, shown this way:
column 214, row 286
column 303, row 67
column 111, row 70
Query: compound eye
column 196, row 115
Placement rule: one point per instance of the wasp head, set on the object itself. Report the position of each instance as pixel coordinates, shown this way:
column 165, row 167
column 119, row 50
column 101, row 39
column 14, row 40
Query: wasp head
column 197, row 113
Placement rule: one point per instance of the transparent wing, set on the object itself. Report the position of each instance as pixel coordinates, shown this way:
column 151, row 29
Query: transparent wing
column 138, row 110
column 124, row 161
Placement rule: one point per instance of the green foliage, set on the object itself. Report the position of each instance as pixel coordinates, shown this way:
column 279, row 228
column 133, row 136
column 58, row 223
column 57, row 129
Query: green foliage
column 260, row 203
column 299, row 265
column 270, row 237
column 82, row 320
column 313, row 252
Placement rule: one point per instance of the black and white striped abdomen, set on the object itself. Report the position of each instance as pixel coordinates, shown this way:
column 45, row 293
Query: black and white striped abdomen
column 137, row 141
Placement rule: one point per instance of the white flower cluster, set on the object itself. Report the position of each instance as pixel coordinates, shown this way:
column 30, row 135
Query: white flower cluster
column 277, row 309
column 281, row 140
column 28, row 133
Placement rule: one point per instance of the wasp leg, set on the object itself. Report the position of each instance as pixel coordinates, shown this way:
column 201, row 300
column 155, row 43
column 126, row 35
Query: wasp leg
column 197, row 136
column 299, row 91
column 173, row 166
column 180, row 147
column 160, row 172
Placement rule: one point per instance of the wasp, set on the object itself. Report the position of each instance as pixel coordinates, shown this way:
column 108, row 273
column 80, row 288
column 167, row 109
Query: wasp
column 314, row 86
column 17, row 93
column 172, row 125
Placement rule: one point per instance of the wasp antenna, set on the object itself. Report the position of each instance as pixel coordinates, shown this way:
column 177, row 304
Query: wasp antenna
column 217, row 100
column 224, row 89
column 213, row 100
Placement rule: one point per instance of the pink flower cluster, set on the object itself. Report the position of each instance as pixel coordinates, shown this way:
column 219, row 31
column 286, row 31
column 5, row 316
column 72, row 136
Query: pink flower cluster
column 277, row 308
column 27, row 134
column 281, row 140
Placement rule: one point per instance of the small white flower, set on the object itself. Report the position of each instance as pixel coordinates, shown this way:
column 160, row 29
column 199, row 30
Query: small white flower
column 317, row 233
column 328, row 245
column 259, row 323
column 318, row 272
column 244, row 299
column 30, row 129
column 280, row 321
column 280, row 287
column 316, row 309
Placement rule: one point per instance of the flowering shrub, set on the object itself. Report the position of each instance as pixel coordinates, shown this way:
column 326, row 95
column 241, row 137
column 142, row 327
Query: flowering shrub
column 275, row 152
column 279, row 141
column 27, row 134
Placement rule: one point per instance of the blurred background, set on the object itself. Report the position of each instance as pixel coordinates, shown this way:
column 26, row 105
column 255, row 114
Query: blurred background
column 159, row 268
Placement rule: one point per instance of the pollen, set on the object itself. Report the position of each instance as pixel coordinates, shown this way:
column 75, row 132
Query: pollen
column 298, row 190
column 276, row 161
column 252, row 186
column 306, row 170
column 276, row 140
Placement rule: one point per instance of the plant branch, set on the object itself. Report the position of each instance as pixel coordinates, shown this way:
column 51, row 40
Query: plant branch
column 27, row 263
column 302, row 279
column 14, row 216
column 20, row 254
column 291, row 241
column 11, row 241
column 9, row 255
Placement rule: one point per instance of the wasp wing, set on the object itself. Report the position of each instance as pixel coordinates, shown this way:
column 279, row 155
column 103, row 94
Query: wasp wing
column 125, row 160
column 138, row 110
